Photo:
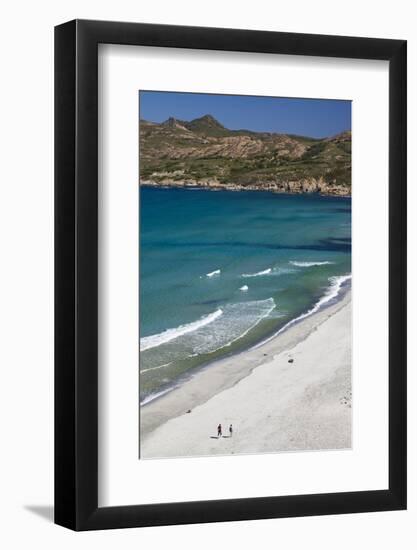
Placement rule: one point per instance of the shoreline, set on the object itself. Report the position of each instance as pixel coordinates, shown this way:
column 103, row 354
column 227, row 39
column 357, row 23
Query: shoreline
column 225, row 374
column 235, row 187
column 323, row 303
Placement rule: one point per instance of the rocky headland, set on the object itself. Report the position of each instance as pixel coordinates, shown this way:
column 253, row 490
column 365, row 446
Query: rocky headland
column 203, row 153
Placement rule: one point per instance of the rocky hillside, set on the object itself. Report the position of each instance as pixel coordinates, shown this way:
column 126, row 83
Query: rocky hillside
column 203, row 152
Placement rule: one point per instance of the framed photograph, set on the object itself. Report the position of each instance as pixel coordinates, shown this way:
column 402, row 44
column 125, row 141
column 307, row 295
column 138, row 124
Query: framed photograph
column 230, row 253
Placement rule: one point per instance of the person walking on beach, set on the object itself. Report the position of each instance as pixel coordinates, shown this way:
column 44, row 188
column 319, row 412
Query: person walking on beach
column 230, row 430
column 219, row 430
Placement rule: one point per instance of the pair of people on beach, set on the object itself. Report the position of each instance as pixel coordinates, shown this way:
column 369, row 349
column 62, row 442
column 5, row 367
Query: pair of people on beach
column 220, row 432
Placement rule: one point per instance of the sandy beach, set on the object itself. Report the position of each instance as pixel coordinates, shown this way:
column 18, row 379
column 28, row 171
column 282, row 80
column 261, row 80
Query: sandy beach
column 291, row 393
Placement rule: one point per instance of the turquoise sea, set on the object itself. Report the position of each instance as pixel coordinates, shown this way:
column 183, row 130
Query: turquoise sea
column 221, row 271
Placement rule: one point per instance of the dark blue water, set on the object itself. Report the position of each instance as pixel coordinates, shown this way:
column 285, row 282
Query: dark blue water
column 220, row 271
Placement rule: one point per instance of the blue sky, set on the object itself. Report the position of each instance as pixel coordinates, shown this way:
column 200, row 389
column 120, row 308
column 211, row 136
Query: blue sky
column 307, row 117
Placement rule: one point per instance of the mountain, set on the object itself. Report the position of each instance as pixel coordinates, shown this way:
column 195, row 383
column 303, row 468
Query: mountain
column 203, row 152
column 207, row 126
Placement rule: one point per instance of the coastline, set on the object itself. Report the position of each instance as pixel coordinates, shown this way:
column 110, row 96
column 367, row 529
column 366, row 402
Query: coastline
column 235, row 389
column 214, row 185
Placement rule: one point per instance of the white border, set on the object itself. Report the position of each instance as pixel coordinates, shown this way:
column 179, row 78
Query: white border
column 123, row 479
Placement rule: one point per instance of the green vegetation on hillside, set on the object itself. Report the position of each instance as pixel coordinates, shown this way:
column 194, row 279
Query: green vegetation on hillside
column 204, row 152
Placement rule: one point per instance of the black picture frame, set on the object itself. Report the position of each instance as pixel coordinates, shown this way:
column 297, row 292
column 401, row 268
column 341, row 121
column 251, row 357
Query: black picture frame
column 76, row 272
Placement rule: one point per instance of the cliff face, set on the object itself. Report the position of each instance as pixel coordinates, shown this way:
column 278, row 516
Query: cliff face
column 204, row 153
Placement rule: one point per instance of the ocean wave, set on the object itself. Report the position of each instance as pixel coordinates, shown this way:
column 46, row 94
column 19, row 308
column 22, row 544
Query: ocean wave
column 309, row 264
column 150, row 397
column 331, row 293
column 259, row 274
column 156, row 368
column 271, row 271
column 270, row 306
column 335, row 284
column 216, row 272
column 156, row 340
column 238, row 320
column 209, row 334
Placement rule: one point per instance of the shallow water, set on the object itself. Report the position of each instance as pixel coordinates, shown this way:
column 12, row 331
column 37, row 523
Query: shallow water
column 220, row 271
